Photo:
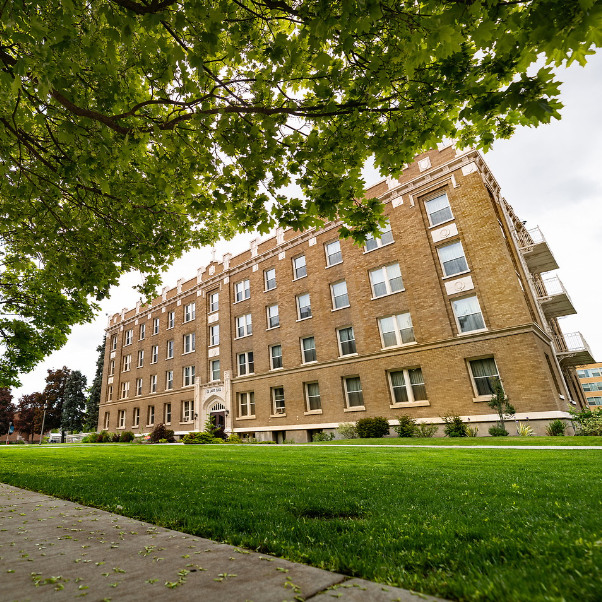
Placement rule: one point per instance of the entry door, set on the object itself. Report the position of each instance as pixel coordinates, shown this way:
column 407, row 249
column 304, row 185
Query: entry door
column 220, row 419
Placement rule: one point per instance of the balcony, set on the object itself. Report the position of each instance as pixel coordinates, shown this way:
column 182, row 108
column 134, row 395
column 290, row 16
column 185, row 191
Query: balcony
column 536, row 251
column 573, row 350
column 553, row 298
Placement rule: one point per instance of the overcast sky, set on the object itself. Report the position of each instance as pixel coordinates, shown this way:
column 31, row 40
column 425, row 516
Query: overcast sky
column 551, row 175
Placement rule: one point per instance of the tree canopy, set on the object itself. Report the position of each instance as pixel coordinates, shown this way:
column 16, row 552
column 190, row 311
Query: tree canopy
column 74, row 404
column 131, row 130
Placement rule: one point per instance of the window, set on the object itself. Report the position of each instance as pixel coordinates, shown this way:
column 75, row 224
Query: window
column 402, row 393
column 594, row 401
column 213, row 302
column 171, row 319
column 138, row 386
column 340, row 298
column 468, row 314
column 189, row 376
column 140, row 358
column 270, row 279
column 129, row 336
column 111, row 367
column 246, row 365
column 242, row 290
column 312, row 395
column 110, row 393
column 114, row 342
column 136, row 421
column 150, row 416
column 276, row 356
column 385, row 238
column 169, row 349
column 125, row 390
column 386, row 280
column 333, row 253
column 127, row 363
column 189, row 312
column 303, row 306
column 189, row 342
column 589, row 387
column 142, row 332
column 121, row 419
column 187, row 411
column 273, row 317
column 214, row 335
column 107, row 418
column 308, row 346
column 168, row 380
column 452, row 259
column 278, row 400
column 438, row 210
column 154, row 354
column 167, row 413
column 347, row 341
column 246, row 404
column 214, row 370
column 299, row 267
column 153, row 383
column 155, row 326
column 244, row 326
column 484, row 375
column 353, row 392
column 396, row 330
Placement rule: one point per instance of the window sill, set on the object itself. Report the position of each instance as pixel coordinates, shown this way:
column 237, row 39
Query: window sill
column 454, row 275
column 481, row 398
column 170, row 328
column 381, row 246
column 187, row 321
column 241, row 300
column 308, row 363
column 121, row 428
column 465, row 334
column 332, row 265
column 153, row 363
column 303, row 319
column 247, row 374
column 355, row 409
column 170, row 358
column 153, row 424
column 187, row 386
column 410, row 404
column 278, row 415
column 136, row 367
column 246, row 417
column 451, row 219
column 185, row 422
column 273, row 327
column 300, row 278
column 189, row 352
column 311, row 412
column 267, row 290
column 244, row 336
column 399, row 346
column 276, row 369
column 348, row 355
column 387, row 295
column 339, row 308
column 154, row 334
column 136, row 426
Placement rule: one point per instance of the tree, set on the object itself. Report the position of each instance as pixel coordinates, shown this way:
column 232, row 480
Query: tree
column 131, row 130
column 93, row 404
column 7, row 410
column 53, row 397
column 500, row 403
column 28, row 420
column 75, row 402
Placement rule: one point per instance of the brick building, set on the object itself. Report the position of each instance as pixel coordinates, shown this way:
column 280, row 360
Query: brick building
column 305, row 331
column 590, row 377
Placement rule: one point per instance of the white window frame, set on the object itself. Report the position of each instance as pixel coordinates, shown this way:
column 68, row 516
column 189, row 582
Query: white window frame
column 266, row 280
column 297, row 298
column 212, row 371
column 114, row 342
column 110, row 393
column 188, row 375
column 383, row 269
column 125, row 390
column 189, row 312
column 466, row 271
column 142, row 332
column 127, row 363
column 107, row 420
column 468, row 332
column 150, row 416
column 139, row 384
column 278, row 411
column 168, row 380
column 136, row 418
column 379, row 240
column 111, row 367
column 246, row 363
column 272, row 357
column 308, row 409
column 129, row 337
column 213, row 304
column 189, row 341
column 246, row 399
column 121, row 419
column 140, row 358
column 329, row 255
column 154, row 354
column 429, row 215
column 243, row 324
column 473, row 382
column 187, row 411
column 348, row 406
column 334, row 298
column 299, row 268
column 171, row 319
column 269, row 318
column 153, row 383
column 412, row 401
column 214, row 335
column 245, row 290
column 156, row 325
column 170, row 349
column 167, row 412
column 303, row 361
column 340, row 343
column 398, row 338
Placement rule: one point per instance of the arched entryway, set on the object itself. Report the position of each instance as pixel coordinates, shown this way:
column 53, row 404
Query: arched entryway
column 217, row 410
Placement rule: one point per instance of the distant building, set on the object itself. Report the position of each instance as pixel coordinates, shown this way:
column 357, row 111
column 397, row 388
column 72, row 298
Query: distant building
column 590, row 377
column 304, row 331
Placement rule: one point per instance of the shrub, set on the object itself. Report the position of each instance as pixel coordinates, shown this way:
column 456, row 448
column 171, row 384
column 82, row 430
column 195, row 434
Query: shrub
column 454, row 427
column 498, row 431
column 104, row 437
column 347, row 430
column 322, row 437
column 163, row 441
column 126, row 437
column 426, row 430
column 115, row 437
column 588, row 423
column 233, row 438
column 160, row 432
column 407, row 426
column 472, row 431
column 524, row 430
column 90, row 438
column 199, row 438
column 556, row 428
column 372, row 428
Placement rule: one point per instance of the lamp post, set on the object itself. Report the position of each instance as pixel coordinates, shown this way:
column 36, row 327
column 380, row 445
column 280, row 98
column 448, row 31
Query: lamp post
column 43, row 420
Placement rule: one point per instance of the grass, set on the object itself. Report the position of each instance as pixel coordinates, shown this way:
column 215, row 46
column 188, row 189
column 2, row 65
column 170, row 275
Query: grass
column 470, row 441
column 465, row 525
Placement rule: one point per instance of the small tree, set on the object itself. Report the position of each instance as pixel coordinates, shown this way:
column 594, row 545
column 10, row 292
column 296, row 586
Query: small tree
column 499, row 402
column 91, row 420
column 454, row 427
column 75, row 402
column 7, row 410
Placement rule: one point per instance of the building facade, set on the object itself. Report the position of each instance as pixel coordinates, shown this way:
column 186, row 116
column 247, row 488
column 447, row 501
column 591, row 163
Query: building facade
column 590, row 377
column 305, row 331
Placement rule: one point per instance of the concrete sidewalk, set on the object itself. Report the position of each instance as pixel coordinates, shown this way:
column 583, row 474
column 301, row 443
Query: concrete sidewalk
column 55, row 550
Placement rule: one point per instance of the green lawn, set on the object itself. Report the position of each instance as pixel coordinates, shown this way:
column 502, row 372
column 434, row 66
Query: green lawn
column 597, row 441
column 462, row 524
